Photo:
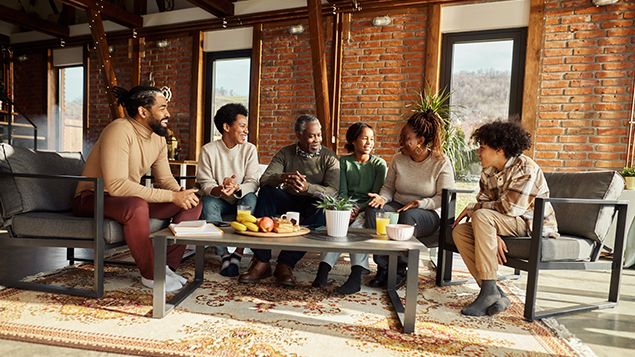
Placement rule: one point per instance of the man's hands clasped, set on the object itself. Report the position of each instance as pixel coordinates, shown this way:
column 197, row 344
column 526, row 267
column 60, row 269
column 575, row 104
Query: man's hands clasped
column 185, row 199
column 296, row 181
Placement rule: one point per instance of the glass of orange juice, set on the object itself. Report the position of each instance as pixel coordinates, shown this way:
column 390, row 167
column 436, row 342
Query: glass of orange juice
column 381, row 220
column 243, row 210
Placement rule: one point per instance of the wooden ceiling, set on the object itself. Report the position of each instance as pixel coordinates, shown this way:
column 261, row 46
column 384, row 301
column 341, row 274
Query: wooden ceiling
column 113, row 10
column 62, row 13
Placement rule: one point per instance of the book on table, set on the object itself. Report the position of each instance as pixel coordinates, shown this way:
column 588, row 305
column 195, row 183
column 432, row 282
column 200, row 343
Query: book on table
column 194, row 228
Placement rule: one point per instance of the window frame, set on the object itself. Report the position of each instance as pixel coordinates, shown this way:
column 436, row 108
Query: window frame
column 59, row 127
column 211, row 57
column 518, row 35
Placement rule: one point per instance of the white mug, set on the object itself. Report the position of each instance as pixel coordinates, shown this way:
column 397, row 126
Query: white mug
column 292, row 216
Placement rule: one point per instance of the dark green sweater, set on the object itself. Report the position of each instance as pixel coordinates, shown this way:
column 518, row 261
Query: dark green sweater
column 357, row 180
column 322, row 171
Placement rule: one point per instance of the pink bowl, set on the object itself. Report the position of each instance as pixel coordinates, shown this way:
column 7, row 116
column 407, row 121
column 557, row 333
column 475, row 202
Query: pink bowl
column 400, row 231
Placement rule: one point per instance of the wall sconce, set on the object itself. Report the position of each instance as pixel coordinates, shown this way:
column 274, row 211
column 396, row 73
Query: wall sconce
column 163, row 43
column 382, row 21
column 111, row 49
column 22, row 58
column 296, row 29
column 603, row 2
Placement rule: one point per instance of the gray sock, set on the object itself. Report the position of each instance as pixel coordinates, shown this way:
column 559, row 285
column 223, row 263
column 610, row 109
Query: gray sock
column 500, row 305
column 488, row 296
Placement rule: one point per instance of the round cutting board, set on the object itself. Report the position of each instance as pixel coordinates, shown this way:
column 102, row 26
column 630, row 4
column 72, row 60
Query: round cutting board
column 300, row 232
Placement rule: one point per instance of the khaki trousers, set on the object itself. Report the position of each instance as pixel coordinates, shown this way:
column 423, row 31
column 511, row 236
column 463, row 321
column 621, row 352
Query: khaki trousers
column 477, row 241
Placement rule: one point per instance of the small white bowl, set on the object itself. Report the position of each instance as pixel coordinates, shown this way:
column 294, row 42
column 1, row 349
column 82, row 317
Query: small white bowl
column 399, row 231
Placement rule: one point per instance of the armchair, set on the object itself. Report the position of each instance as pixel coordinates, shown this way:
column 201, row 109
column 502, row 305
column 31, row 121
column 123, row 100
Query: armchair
column 585, row 204
column 36, row 197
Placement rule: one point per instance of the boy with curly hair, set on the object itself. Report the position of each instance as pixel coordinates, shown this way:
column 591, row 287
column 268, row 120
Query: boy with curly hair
column 509, row 185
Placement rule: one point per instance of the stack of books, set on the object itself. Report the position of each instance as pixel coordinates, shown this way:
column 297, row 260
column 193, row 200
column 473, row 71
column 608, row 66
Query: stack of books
column 195, row 228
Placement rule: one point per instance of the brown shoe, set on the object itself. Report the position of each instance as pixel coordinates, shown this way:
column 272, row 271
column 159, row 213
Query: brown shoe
column 284, row 275
column 257, row 270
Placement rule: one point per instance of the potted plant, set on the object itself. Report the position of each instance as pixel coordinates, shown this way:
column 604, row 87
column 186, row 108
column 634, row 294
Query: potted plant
column 629, row 176
column 337, row 210
column 455, row 144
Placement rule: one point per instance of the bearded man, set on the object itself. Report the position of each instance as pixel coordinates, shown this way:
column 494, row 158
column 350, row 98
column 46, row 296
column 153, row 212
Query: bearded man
column 127, row 148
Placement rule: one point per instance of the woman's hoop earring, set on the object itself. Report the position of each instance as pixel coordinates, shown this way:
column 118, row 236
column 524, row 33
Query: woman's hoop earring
column 419, row 150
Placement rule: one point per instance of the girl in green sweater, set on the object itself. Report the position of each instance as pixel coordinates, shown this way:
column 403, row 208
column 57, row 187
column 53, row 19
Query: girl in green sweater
column 360, row 174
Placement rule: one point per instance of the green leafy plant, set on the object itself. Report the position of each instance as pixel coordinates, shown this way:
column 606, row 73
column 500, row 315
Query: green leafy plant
column 335, row 202
column 627, row 172
column 455, row 144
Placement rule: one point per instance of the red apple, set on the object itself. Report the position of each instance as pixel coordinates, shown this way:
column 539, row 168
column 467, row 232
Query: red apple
column 265, row 224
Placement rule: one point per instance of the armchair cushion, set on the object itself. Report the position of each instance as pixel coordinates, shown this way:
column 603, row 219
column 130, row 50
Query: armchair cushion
column 565, row 248
column 66, row 225
column 588, row 221
column 20, row 195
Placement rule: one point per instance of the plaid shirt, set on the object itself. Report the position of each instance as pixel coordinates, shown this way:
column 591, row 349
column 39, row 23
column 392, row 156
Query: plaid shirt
column 513, row 192
column 305, row 154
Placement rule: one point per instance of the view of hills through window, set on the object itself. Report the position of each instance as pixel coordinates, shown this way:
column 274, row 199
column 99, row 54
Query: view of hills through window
column 231, row 85
column 481, row 82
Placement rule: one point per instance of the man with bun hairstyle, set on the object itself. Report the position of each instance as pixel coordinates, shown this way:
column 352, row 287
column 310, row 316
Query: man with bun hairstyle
column 127, row 148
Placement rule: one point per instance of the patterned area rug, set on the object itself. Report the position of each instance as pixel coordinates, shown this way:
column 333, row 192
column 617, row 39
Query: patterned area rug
column 225, row 318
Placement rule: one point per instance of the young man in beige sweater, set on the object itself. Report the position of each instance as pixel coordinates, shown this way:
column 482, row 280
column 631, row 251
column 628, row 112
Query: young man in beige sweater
column 127, row 148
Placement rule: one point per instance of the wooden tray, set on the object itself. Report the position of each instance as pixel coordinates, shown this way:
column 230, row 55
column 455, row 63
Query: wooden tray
column 301, row 232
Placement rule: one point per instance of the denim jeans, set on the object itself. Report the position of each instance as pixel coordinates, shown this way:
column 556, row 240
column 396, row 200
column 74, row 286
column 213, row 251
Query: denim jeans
column 331, row 258
column 273, row 202
column 214, row 209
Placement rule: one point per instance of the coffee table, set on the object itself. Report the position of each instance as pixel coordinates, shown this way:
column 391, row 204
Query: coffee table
column 362, row 241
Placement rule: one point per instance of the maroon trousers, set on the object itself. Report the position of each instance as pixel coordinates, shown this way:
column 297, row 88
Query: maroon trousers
column 135, row 213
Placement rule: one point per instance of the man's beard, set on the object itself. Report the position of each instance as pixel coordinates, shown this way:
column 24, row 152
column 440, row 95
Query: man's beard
column 159, row 129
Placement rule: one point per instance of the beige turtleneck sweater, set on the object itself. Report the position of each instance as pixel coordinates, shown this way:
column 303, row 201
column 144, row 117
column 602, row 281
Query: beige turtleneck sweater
column 125, row 151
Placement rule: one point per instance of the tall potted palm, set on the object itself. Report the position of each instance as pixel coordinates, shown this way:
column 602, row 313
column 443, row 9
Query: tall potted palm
column 337, row 210
column 455, row 144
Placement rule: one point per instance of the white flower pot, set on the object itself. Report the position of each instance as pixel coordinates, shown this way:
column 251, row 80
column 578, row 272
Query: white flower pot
column 337, row 222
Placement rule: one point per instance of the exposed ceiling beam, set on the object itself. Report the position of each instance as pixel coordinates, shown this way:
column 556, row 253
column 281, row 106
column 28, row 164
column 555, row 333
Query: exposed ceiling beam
column 106, row 69
column 220, row 8
column 108, row 11
column 318, row 59
column 32, row 22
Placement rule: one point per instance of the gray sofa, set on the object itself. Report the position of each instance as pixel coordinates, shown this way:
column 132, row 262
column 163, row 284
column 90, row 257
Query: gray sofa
column 36, row 198
column 585, row 204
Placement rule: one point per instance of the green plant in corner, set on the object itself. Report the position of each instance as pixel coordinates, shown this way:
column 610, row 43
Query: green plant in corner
column 627, row 171
column 335, row 202
column 455, row 144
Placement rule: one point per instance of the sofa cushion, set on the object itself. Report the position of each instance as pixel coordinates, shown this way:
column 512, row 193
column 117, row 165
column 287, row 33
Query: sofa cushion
column 19, row 195
column 588, row 221
column 66, row 225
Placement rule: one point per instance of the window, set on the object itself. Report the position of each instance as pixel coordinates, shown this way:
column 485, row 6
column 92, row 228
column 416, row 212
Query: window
column 228, row 81
column 70, row 108
column 484, row 72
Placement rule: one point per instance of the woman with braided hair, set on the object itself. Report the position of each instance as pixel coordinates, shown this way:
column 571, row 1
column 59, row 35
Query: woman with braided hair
column 416, row 177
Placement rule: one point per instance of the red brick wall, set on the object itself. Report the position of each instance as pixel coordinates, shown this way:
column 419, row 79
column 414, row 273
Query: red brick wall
column 171, row 66
column 585, row 89
column 383, row 67
column 286, row 87
column 586, row 86
column 30, row 85
column 99, row 114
